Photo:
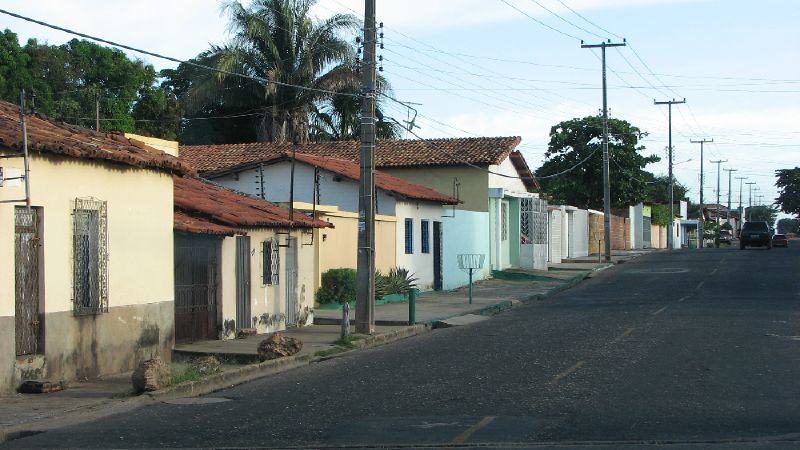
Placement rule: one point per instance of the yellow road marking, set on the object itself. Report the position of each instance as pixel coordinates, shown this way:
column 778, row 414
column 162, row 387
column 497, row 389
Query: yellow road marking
column 462, row 438
column 623, row 335
column 660, row 310
column 563, row 374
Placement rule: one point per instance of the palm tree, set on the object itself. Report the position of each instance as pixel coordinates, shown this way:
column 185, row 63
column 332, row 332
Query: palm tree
column 277, row 40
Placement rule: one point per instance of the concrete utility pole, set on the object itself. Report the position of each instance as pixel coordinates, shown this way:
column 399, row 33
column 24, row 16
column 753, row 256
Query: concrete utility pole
column 750, row 202
column 701, row 223
column 365, row 292
column 730, row 172
column 606, row 175
column 97, row 111
column 718, row 163
column 741, row 211
column 671, row 178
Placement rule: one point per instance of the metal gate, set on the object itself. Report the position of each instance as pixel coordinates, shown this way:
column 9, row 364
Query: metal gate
column 243, row 282
column 646, row 232
column 195, row 288
column 27, row 241
column 291, row 282
column 533, row 233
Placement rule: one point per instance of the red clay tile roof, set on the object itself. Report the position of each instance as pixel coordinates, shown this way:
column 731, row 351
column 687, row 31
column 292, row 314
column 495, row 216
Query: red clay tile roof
column 483, row 151
column 352, row 170
column 49, row 136
column 198, row 225
column 524, row 171
column 206, row 201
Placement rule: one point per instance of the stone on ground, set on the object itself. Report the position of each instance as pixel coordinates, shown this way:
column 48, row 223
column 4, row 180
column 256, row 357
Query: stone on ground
column 278, row 346
column 151, row 375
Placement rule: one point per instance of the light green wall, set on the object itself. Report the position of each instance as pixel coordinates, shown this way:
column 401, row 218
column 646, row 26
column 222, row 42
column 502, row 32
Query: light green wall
column 473, row 192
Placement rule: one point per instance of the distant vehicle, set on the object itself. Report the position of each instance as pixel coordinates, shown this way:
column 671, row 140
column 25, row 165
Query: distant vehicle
column 755, row 234
column 780, row 240
column 725, row 237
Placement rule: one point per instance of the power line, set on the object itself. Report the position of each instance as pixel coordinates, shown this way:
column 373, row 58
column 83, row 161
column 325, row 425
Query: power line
column 567, row 21
column 169, row 58
column 589, row 21
column 540, row 22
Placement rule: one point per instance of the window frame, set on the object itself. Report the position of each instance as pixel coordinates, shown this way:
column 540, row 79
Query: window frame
column 270, row 262
column 425, row 236
column 89, row 256
column 409, row 236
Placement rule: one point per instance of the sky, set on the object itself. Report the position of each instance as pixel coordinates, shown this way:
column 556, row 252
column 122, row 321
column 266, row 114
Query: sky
column 516, row 67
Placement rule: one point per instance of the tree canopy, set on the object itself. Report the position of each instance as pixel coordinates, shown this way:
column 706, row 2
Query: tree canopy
column 578, row 142
column 762, row 212
column 788, row 226
column 64, row 82
column 788, row 184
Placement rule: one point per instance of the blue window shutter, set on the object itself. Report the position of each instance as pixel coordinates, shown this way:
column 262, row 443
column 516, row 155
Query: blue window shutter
column 426, row 236
column 409, row 236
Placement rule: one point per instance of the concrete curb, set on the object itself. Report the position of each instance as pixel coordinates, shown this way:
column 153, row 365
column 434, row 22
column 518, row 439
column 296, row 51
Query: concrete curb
column 207, row 385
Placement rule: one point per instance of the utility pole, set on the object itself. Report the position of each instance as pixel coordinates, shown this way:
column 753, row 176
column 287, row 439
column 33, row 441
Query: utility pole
column 606, row 175
column 741, row 211
column 730, row 172
column 365, row 293
column 701, row 225
column 671, row 178
column 718, row 163
column 749, row 208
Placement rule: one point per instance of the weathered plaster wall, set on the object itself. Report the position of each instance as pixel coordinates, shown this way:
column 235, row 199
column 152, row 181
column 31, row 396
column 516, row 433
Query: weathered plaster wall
column 510, row 181
column 339, row 247
column 140, row 264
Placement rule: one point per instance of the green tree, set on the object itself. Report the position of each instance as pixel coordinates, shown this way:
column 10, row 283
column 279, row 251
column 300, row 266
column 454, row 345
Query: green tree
column 277, row 40
column 658, row 189
column 14, row 67
column 788, row 226
column 339, row 118
column 788, row 184
column 763, row 212
column 579, row 141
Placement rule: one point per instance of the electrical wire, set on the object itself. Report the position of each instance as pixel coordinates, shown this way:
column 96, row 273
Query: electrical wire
column 567, row 21
column 540, row 22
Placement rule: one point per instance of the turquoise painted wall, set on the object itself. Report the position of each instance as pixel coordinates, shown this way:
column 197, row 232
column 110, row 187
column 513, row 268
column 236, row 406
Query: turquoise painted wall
column 467, row 232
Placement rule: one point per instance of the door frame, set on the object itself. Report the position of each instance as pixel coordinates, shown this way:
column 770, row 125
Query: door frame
column 35, row 332
column 212, row 319
column 437, row 256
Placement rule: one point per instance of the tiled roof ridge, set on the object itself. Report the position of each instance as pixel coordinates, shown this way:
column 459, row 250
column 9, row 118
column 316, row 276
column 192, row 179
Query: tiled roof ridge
column 289, row 144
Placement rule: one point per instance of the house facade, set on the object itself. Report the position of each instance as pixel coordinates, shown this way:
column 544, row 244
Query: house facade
column 408, row 219
column 499, row 214
column 88, row 287
column 241, row 263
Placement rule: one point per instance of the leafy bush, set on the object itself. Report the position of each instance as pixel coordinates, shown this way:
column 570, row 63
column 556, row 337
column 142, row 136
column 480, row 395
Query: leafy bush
column 338, row 286
column 397, row 281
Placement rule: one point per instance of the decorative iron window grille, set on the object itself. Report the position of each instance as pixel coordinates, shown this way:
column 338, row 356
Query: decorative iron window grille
column 89, row 256
column 409, row 236
column 271, row 262
column 426, row 236
column 533, row 221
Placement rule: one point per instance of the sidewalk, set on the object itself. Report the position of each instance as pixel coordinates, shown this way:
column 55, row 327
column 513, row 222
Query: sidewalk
column 23, row 414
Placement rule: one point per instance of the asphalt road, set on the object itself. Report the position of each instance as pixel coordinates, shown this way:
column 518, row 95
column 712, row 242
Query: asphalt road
column 681, row 349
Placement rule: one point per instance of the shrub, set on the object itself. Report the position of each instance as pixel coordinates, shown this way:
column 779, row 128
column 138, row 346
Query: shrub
column 338, row 286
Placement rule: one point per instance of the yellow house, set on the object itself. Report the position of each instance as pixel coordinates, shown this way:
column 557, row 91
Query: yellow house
column 86, row 287
column 241, row 263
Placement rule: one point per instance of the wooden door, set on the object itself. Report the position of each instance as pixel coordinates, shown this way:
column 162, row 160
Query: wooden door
column 27, row 243
column 243, row 319
column 437, row 256
column 196, row 288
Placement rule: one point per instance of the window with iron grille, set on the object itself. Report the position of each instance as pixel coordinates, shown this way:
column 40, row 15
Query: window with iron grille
column 89, row 256
column 504, row 220
column 271, row 263
column 426, row 236
column 409, row 236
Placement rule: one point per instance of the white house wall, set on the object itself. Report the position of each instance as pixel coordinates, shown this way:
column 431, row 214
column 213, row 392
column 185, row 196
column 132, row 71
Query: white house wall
column 420, row 264
column 277, row 180
column 579, row 234
column 510, row 182
column 554, row 235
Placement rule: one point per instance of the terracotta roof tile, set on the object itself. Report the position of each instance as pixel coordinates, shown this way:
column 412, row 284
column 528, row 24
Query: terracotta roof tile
column 198, row 225
column 204, row 200
column 49, row 136
column 481, row 151
column 352, row 170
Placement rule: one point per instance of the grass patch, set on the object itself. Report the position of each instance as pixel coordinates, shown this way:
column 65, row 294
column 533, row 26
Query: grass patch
column 340, row 345
column 185, row 375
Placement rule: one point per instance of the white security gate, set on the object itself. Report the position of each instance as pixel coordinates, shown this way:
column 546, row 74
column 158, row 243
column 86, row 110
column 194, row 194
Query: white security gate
column 533, row 233
column 554, row 244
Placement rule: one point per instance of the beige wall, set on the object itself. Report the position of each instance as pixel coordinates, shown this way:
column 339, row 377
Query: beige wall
column 474, row 190
column 338, row 246
column 268, row 302
column 140, row 262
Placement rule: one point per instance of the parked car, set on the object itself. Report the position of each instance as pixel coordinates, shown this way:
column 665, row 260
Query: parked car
column 780, row 240
column 725, row 237
column 755, row 234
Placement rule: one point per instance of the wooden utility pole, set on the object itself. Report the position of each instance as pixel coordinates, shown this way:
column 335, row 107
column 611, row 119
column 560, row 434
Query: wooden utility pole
column 365, row 292
column 671, row 225
column 701, row 223
column 606, row 175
